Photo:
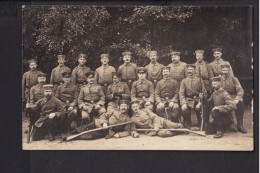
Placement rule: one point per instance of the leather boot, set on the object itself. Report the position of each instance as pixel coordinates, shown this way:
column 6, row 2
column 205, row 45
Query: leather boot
column 240, row 126
column 219, row 134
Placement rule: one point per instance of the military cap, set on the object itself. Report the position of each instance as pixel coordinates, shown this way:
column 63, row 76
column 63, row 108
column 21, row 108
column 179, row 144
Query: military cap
column 48, row 87
column 118, row 74
column 81, row 55
column 166, row 68
column 66, row 74
column 190, row 66
column 104, row 55
column 126, row 53
column 67, row 70
column 61, row 56
column 175, row 53
column 141, row 70
column 152, row 52
column 42, row 75
column 199, row 51
column 216, row 79
column 217, row 49
column 135, row 101
column 90, row 74
column 225, row 65
column 123, row 102
column 32, row 61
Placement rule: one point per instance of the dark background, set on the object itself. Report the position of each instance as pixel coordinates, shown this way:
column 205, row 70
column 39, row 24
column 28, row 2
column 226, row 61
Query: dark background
column 14, row 159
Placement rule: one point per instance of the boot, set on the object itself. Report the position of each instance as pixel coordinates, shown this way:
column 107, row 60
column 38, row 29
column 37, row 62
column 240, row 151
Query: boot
column 240, row 126
column 219, row 134
column 51, row 137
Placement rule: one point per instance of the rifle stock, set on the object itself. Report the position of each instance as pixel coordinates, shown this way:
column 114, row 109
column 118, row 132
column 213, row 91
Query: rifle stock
column 201, row 100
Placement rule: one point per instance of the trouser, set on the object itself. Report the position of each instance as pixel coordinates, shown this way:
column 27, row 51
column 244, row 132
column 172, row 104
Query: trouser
column 142, row 104
column 92, row 135
column 187, row 116
column 48, row 127
column 240, row 113
column 168, row 113
column 220, row 121
column 66, row 122
column 169, row 125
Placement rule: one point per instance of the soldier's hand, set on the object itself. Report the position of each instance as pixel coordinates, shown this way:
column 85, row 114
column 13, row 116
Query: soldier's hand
column 236, row 101
column 161, row 105
column 176, row 105
column 105, row 125
column 136, row 135
column 70, row 108
column 215, row 108
column 156, row 129
column 184, row 107
column 97, row 106
column 51, row 115
column 171, row 104
column 85, row 108
column 198, row 106
column 116, row 135
column 28, row 105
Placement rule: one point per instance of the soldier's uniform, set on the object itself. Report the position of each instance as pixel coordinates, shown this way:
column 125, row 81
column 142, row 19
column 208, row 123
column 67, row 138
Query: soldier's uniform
column 129, row 71
column 166, row 91
column 116, row 92
column 37, row 92
column 178, row 70
column 154, row 73
column 44, row 107
column 225, row 104
column 90, row 96
column 103, row 74
column 146, row 119
column 190, row 89
column 143, row 91
column 30, row 78
column 78, row 74
column 232, row 85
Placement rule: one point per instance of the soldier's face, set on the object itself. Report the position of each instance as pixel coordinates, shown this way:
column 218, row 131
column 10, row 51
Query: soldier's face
column 104, row 60
column 123, row 108
column 42, row 80
column 153, row 57
column 82, row 61
column 135, row 107
column 216, row 85
column 127, row 58
column 116, row 79
column 225, row 71
column 33, row 66
column 166, row 72
column 90, row 80
column 61, row 61
column 142, row 75
column 48, row 93
column 199, row 56
column 190, row 71
column 217, row 54
column 175, row 58
column 66, row 80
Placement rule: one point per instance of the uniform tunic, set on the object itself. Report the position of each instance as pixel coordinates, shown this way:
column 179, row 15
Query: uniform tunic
column 103, row 74
column 233, row 87
column 30, row 79
column 216, row 67
column 68, row 94
column 142, row 88
column 56, row 76
column 78, row 75
column 129, row 71
column 36, row 93
column 154, row 72
column 178, row 71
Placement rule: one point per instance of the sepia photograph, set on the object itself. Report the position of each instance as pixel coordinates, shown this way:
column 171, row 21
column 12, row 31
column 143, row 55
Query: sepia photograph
column 166, row 77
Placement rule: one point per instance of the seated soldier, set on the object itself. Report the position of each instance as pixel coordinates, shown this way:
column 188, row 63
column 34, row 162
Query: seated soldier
column 68, row 94
column 146, row 119
column 143, row 90
column 51, row 111
column 116, row 91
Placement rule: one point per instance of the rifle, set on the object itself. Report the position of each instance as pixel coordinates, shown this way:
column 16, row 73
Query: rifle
column 201, row 100
column 202, row 133
column 28, row 115
column 93, row 130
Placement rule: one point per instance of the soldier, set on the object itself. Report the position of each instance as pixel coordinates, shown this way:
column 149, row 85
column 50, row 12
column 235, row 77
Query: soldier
column 154, row 68
column 103, row 74
column 78, row 73
column 37, row 92
column 116, row 91
column 56, row 75
column 178, row 68
column 128, row 70
column 30, row 78
column 191, row 93
column 143, row 90
column 68, row 94
column 146, row 119
column 232, row 85
column 51, row 111
column 166, row 96
column 216, row 64
column 91, row 97
column 205, row 70
column 223, row 104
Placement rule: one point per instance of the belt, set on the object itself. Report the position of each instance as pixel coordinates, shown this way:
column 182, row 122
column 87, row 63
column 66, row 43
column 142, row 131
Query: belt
column 128, row 80
column 105, row 85
column 192, row 96
column 57, row 83
column 90, row 101
column 81, row 83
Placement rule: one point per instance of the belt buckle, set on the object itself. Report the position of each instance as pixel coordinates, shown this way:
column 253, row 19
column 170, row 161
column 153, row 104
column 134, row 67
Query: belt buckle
column 154, row 81
column 92, row 101
column 167, row 98
column 129, row 81
column 61, row 83
column 194, row 97
column 105, row 85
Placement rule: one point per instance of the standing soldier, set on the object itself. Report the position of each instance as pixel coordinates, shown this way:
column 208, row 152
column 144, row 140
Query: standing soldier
column 78, row 73
column 216, row 64
column 91, row 97
column 203, row 69
column 116, row 91
column 223, row 104
column 191, row 92
column 68, row 94
column 30, row 78
column 37, row 92
column 154, row 68
column 128, row 70
column 232, row 85
column 56, row 75
column 143, row 90
column 103, row 74
column 51, row 111
column 166, row 96
column 178, row 68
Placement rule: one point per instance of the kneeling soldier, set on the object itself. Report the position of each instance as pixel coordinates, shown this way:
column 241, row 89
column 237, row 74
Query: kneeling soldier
column 68, row 94
column 116, row 91
column 143, row 90
column 166, row 96
column 146, row 119
column 223, row 104
column 91, row 97
column 51, row 111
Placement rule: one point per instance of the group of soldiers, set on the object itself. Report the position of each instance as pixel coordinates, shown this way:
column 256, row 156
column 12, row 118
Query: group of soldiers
column 160, row 97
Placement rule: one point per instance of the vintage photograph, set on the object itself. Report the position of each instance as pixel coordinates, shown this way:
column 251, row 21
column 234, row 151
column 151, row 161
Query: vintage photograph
column 137, row 78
